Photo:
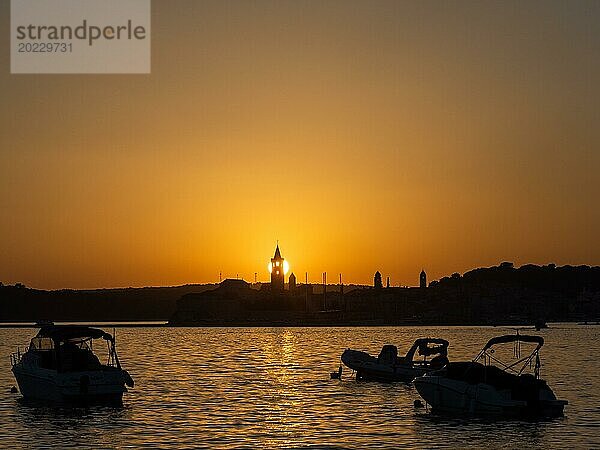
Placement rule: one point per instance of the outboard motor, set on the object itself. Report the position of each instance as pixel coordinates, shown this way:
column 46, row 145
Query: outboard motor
column 388, row 355
column 128, row 380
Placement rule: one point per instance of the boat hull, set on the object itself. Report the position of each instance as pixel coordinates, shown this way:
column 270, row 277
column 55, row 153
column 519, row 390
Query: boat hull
column 103, row 386
column 368, row 368
column 458, row 397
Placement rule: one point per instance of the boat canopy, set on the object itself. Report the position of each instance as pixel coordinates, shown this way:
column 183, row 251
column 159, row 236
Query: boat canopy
column 514, row 338
column 59, row 333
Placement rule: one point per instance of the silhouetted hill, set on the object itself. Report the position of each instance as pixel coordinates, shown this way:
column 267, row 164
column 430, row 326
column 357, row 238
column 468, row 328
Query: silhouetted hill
column 21, row 304
column 568, row 280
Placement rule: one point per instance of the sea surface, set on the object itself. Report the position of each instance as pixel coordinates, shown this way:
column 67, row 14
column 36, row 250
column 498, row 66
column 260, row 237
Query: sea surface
column 270, row 388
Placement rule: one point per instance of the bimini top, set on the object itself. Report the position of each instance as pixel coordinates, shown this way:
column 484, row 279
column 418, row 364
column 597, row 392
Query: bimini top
column 65, row 332
column 514, row 338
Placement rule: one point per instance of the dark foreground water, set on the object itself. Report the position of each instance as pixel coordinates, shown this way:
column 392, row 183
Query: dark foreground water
column 270, row 387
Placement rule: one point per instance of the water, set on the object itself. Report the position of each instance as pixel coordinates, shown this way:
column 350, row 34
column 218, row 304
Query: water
column 270, row 387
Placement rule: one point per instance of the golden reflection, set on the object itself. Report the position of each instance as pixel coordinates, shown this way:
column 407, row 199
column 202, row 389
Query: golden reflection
column 280, row 353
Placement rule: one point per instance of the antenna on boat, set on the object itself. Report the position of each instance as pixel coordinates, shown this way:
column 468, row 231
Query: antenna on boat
column 517, row 348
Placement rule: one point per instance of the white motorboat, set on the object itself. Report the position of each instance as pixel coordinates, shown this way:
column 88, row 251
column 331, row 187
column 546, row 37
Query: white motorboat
column 60, row 366
column 389, row 367
column 480, row 388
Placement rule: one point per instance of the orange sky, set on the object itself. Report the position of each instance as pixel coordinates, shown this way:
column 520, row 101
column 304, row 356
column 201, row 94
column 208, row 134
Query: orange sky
column 362, row 135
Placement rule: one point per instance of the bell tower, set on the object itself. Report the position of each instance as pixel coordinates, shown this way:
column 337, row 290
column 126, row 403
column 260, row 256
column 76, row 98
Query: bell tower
column 277, row 275
column 423, row 279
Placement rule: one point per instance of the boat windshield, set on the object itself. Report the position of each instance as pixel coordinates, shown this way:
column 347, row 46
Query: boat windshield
column 70, row 355
column 41, row 344
column 70, row 348
column 81, row 344
column 45, row 344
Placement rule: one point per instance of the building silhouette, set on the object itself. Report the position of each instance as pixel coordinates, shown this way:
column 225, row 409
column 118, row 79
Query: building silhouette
column 423, row 279
column 277, row 275
column 377, row 283
column 292, row 282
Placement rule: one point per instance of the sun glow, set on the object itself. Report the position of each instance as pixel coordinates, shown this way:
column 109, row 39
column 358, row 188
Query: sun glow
column 286, row 267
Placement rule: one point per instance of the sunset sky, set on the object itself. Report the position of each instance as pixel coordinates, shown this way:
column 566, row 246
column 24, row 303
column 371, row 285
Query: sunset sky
column 362, row 135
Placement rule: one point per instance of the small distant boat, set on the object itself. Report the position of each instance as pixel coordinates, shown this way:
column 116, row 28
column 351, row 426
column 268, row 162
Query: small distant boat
column 540, row 324
column 389, row 367
column 485, row 389
column 60, row 366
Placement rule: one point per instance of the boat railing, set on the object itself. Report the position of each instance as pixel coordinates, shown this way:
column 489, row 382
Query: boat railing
column 112, row 357
column 528, row 360
column 15, row 358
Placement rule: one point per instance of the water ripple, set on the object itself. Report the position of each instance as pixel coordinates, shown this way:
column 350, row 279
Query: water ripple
column 270, row 387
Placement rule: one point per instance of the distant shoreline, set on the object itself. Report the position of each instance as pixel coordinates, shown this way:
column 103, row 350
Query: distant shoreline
column 131, row 324
column 282, row 325
column 485, row 296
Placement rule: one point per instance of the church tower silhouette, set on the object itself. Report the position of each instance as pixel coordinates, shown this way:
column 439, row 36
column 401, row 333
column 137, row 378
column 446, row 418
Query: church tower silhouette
column 277, row 275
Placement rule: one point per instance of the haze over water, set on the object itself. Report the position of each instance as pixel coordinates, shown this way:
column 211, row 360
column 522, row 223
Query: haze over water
column 270, row 387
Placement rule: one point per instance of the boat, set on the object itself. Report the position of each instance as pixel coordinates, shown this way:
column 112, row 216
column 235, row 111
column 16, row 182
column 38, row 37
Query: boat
column 389, row 367
column 479, row 387
column 60, row 366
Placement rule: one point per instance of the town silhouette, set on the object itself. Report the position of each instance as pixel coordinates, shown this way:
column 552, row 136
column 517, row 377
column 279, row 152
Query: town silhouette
column 497, row 295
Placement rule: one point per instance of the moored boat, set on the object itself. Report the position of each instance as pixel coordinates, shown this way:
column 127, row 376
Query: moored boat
column 479, row 387
column 60, row 366
column 388, row 366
